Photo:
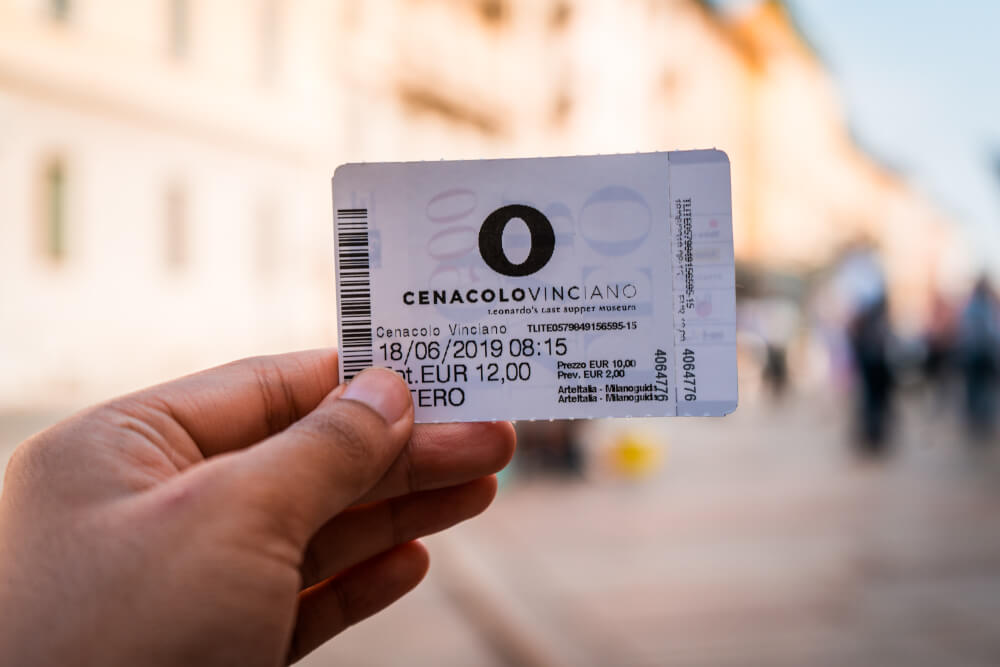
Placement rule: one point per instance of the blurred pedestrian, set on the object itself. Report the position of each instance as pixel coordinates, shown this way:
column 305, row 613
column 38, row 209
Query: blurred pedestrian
column 860, row 282
column 776, row 321
column 939, row 344
column 775, row 372
column 979, row 358
column 870, row 336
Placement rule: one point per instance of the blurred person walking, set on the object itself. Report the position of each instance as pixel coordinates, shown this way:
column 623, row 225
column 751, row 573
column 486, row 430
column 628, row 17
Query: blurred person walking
column 776, row 321
column 860, row 283
column 870, row 335
column 939, row 350
column 979, row 358
column 775, row 371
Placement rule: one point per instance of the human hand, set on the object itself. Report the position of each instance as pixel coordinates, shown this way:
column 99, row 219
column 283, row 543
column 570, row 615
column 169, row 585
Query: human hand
column 239, row 516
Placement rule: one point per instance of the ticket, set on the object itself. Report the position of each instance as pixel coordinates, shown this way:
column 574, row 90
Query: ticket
column 541, row 288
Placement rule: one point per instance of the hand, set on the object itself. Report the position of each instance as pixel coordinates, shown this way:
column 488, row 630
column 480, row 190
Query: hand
column 239, row 516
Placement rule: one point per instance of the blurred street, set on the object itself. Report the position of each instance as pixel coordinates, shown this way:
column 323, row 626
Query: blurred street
column 764, row 541
column 761, row 540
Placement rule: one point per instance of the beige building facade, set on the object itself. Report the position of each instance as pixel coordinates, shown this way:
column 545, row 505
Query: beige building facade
column 165, row 164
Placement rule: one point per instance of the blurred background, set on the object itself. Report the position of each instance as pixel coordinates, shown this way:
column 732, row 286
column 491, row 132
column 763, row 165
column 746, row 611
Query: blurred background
column 164, row 206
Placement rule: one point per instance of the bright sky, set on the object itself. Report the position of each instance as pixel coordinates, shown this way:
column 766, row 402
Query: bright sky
column 920, row 81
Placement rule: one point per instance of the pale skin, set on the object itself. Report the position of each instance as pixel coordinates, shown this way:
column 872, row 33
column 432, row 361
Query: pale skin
column 240, row 516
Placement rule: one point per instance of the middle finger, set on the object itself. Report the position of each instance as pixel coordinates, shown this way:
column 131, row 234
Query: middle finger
column 440, row 455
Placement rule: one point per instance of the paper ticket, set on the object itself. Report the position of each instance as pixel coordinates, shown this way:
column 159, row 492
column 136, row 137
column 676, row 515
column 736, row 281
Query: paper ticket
column 541, row 288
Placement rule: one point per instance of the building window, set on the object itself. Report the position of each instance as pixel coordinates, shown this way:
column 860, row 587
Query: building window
column 493, row 12
column 269, row 16
column 561, row 14
column 59, row 9
column 175, row 228
column 53, row 205
column 179, row 28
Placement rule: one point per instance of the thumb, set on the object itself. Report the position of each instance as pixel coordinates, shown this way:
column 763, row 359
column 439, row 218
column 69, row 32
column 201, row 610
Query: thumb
column 325, row 461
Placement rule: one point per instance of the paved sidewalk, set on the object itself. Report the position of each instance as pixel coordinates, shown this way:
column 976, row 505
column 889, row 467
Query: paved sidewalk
column 762, row 542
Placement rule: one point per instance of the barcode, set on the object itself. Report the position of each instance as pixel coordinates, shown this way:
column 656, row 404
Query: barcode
column 355, row 290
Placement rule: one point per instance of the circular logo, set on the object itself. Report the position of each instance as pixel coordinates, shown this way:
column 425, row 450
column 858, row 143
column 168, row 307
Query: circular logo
column 543, row 240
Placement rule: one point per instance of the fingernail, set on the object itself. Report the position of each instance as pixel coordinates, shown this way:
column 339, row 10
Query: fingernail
column 383, row 391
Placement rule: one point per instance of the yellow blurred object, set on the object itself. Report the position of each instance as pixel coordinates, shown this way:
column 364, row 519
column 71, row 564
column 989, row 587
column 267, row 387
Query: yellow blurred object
column 635, row 455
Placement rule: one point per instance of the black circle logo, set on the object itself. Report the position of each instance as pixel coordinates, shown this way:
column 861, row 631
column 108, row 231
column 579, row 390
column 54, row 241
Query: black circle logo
column 543, row 240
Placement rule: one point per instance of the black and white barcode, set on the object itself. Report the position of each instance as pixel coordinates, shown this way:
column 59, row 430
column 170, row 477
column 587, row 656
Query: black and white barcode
column 354, row 290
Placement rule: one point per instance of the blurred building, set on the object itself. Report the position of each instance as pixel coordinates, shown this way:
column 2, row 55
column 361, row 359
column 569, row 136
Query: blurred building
column 165, row 164
column 164, row 204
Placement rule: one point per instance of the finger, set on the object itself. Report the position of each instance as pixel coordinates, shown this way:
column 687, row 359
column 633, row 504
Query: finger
column 440, row 455
column 329, row 608
column 238, row 404
column 324, row 462
column 361, row 533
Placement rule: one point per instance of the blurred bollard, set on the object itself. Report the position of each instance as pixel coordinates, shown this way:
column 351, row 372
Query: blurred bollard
column 635, row 456
column 633, row 450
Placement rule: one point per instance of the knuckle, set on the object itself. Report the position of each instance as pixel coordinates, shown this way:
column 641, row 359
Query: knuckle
column 411, row 470
column 346, row 602
column 279, row 407
column 397, row 531
column 348, row 430
column 310, row 567
column 345, row 437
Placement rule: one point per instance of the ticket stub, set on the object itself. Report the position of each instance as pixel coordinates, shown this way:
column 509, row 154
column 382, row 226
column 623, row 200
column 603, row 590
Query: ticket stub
column 541, row 288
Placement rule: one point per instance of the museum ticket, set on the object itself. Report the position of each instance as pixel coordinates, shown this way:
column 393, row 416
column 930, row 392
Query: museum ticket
column 541, row 288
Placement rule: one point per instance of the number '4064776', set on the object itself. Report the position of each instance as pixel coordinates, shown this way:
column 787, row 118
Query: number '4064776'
column 689, row 380
column 662, row 378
